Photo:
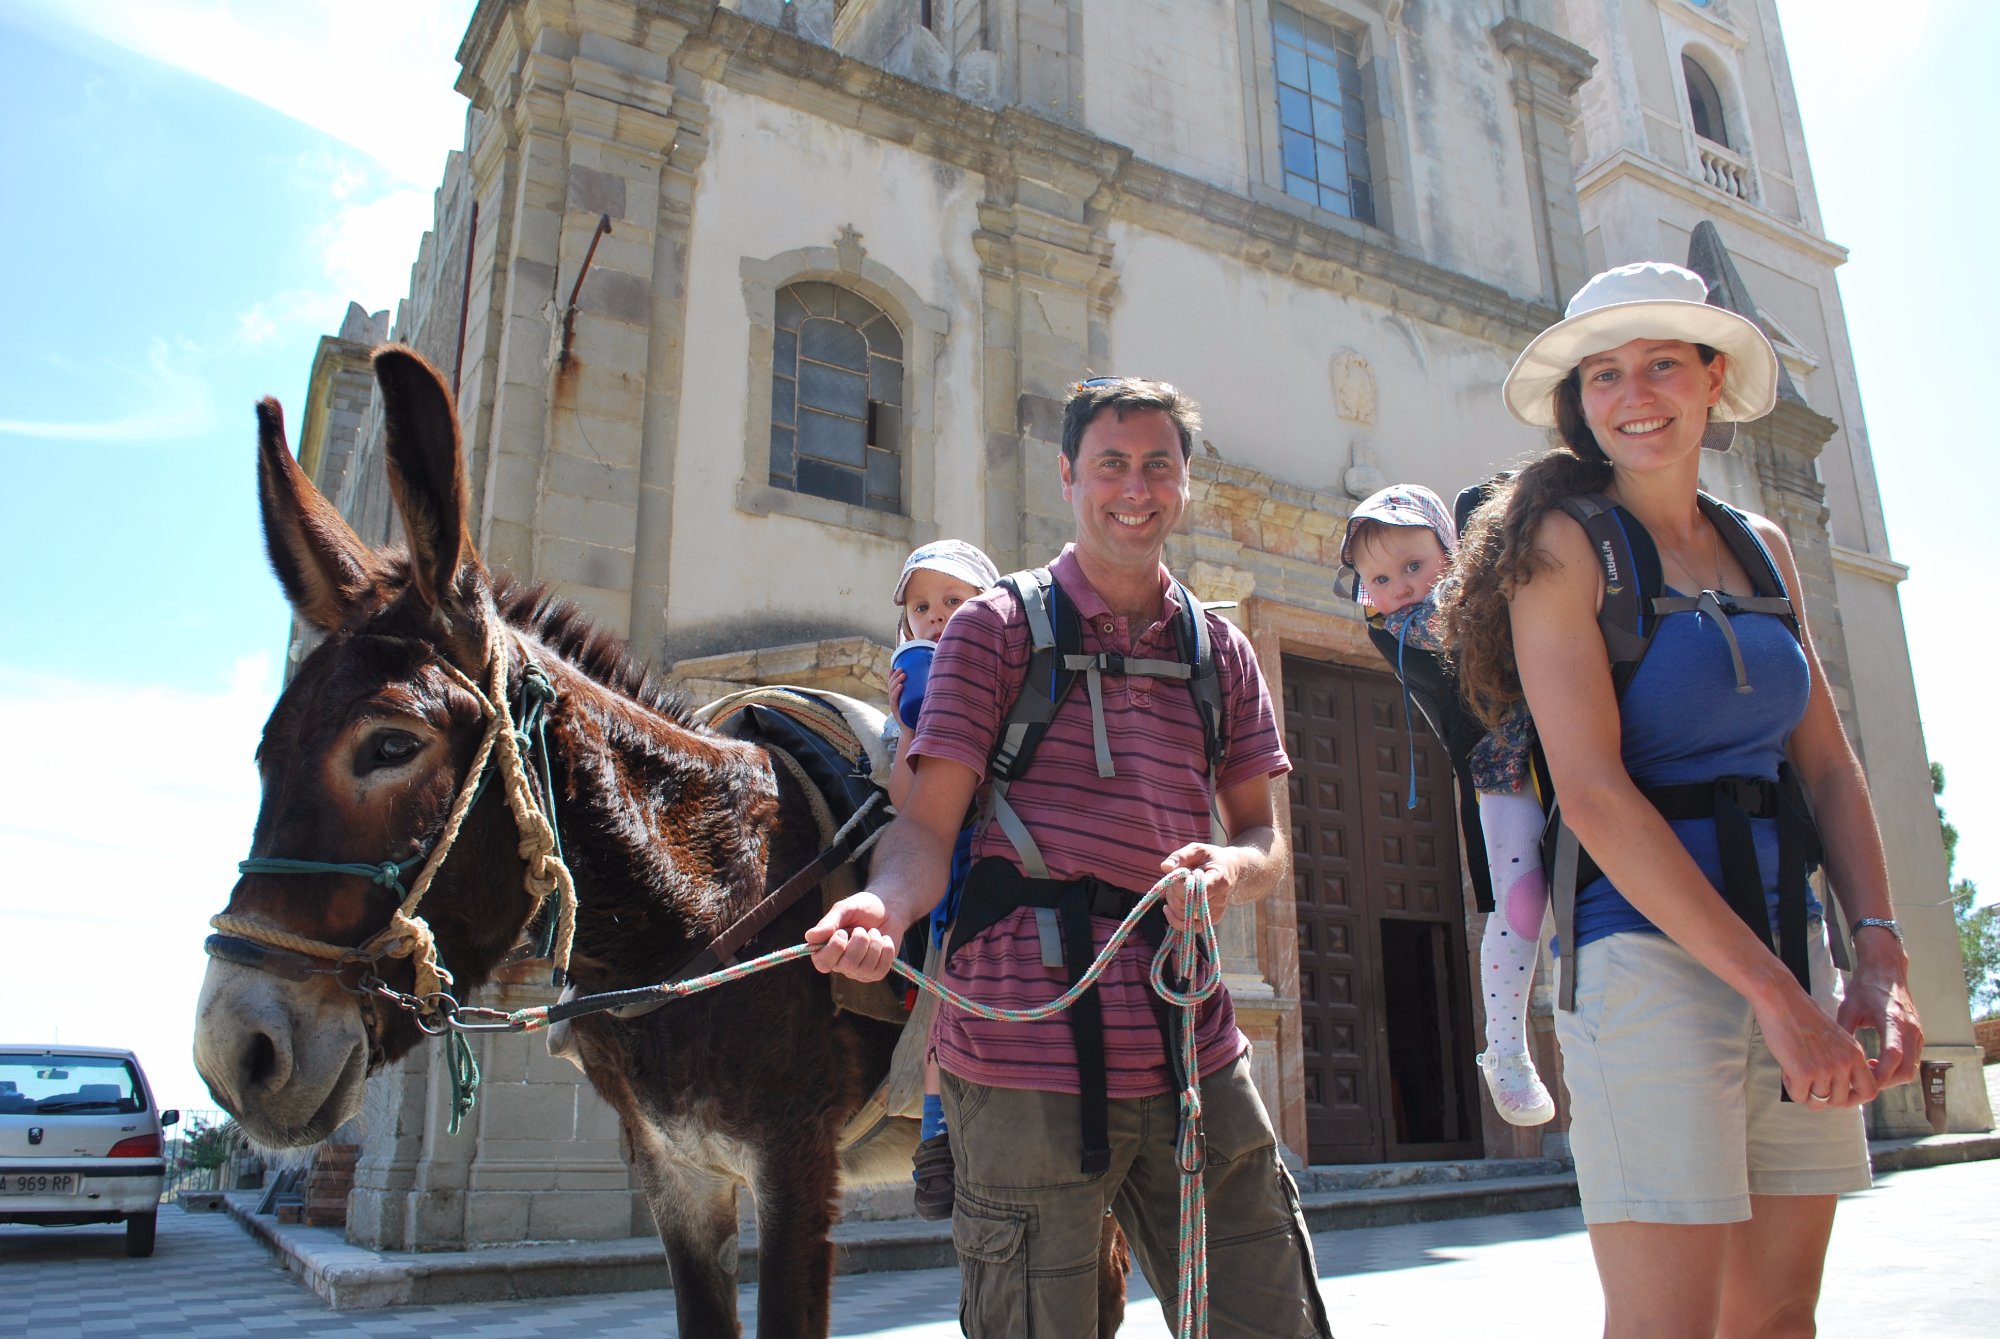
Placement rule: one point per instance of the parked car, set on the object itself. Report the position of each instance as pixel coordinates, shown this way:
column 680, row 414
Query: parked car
column 80, row 1140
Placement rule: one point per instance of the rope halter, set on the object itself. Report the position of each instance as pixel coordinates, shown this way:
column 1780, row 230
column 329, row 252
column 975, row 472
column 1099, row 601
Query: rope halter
column 408, row 935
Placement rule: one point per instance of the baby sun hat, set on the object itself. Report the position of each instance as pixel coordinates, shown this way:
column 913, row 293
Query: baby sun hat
column 1401, row 505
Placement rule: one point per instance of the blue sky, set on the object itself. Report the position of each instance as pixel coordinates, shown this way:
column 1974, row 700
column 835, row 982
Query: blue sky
column 197, row 188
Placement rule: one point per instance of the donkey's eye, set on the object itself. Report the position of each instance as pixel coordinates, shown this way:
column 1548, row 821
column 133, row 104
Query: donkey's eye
column 388, row 748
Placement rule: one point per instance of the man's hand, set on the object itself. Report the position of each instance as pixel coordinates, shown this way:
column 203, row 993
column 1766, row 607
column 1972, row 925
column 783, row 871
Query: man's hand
column 856, row 938
column 859, row 935
column 1218, row 865
column 1256, row 857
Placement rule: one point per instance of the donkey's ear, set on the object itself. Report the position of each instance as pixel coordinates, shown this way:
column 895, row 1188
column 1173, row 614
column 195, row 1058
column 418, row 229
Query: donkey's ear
column 426, row 471
column 322, row 564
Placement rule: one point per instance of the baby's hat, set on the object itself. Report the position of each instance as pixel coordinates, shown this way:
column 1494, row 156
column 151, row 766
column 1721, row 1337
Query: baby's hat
column 1403, row 504
column 954, row 558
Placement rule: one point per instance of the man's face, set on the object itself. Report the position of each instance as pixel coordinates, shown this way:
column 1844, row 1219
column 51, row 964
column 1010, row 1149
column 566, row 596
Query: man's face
column 1128, row 487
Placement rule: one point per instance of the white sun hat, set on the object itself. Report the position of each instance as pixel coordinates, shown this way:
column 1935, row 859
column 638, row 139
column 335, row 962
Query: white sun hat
column 1649, row 300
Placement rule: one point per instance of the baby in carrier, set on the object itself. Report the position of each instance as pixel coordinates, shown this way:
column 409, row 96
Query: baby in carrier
column 938, row 578
column 1400, row 544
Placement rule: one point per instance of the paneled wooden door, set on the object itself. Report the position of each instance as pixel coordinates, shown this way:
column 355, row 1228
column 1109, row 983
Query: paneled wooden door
column 1383, row 974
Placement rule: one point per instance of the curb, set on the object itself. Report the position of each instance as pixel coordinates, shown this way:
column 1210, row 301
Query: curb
column 1934, row 1150
column 354, row 1278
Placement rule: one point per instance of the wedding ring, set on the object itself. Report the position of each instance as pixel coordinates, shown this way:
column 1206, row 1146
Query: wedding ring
column 1821, row 1097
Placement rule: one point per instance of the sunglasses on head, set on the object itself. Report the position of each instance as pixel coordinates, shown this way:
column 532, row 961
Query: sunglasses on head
column 1116, row 381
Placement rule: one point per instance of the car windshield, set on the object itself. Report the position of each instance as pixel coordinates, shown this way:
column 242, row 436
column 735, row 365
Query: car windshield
column 50, row 1083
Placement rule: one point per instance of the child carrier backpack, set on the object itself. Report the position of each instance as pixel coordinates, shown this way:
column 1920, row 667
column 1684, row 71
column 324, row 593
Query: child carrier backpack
column 1063, row 907
column 1431, row 686
column 1634, row 603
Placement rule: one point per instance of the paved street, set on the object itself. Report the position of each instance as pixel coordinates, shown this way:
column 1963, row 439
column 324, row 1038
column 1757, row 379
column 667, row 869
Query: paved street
column 1914, row 1256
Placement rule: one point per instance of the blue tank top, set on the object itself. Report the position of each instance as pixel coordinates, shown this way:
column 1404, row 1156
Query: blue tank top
column 1683, row 721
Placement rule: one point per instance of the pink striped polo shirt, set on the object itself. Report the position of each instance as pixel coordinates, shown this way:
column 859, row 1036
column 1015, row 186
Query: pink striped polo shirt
column 1116, row 828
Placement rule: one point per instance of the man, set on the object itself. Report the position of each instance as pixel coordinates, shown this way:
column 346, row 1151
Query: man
column 1116, row 796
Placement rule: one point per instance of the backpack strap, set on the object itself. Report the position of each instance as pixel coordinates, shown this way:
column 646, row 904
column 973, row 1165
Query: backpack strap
column 1196, row 646
column 1631, row 566
column 1769, row 583
column 1055, row 632
column 1056, row 660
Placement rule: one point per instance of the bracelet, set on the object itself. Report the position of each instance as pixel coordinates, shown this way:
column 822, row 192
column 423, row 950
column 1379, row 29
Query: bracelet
column 1880, row 923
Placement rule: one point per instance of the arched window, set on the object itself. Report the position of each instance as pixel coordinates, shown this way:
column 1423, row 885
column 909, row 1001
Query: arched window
column 1704, row 103
column 836, row 397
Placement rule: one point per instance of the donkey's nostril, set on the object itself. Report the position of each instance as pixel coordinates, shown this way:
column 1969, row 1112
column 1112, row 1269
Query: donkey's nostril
column 260, row 1061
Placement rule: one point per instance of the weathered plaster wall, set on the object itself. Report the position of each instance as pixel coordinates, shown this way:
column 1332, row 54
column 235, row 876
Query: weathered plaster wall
column 780, row 180
column 1166, row 78
column 1302, row 382
column 1464, row 142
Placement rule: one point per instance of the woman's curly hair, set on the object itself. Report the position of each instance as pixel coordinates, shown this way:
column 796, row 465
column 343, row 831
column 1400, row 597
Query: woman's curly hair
column 1497, row 556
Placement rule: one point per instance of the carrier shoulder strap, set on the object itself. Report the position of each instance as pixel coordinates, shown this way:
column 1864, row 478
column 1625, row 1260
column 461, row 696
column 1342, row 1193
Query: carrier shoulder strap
column 1197, row 647
column 1056, row 660
column 1631, row 566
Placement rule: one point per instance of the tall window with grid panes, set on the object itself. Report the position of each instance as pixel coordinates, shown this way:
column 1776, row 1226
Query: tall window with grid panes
column 1322, row 117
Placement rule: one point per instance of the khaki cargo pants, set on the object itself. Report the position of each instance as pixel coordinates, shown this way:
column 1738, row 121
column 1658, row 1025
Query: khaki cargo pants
column 1027, row 1221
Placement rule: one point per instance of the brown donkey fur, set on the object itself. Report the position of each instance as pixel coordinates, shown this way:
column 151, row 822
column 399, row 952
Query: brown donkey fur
column 670, row 830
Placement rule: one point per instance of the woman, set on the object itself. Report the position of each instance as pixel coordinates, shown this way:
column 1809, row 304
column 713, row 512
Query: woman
column 1709, row 1199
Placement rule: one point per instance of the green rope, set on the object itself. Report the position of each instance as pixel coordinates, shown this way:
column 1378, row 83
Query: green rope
column 462, row 1070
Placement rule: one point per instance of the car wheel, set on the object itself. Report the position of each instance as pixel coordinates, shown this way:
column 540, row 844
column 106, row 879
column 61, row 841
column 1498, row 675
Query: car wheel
column 139, row 1230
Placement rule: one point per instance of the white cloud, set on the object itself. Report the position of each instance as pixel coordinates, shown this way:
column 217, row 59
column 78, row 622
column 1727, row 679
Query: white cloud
column 376, row 74
column 123, row 810
column 365, row 247
column 175, row 403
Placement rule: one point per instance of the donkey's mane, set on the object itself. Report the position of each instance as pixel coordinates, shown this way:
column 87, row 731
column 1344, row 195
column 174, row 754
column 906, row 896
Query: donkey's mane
column 568, row 631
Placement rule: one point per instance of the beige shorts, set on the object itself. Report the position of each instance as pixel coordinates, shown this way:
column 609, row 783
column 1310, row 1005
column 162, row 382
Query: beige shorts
column 1675, row 1113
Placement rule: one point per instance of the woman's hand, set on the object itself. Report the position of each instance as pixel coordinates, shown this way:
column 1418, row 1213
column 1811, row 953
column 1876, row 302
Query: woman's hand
column 1878, row 996
column 1824, row 1066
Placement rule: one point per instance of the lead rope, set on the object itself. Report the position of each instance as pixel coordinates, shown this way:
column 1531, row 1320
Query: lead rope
column 1191, row 949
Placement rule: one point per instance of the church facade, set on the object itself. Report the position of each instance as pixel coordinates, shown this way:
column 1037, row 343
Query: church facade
column 745, row 300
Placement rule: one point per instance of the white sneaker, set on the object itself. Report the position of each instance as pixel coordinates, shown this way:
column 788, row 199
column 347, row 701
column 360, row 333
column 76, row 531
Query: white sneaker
column 1518, row 1093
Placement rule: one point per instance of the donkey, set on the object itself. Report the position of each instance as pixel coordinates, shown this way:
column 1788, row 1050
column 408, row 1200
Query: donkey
column 671, row 832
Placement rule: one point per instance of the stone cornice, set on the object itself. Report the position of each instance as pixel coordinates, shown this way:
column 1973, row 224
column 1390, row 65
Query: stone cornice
column 1570, row 63
column 1871, row 565
column 1282, row 242
column 1629, row 163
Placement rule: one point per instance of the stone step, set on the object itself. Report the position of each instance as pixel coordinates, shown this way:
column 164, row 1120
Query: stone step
column 350, row 1277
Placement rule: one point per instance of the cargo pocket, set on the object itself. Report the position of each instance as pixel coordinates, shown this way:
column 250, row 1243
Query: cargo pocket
column 993, row 1269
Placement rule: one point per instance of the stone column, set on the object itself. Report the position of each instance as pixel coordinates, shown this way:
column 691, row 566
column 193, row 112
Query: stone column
column 1784, row 448
column 653, row 542
column 1547, row 73
column 1045, row 268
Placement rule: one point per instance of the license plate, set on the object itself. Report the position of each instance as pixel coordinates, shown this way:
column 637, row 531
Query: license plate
column 40, row 1183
